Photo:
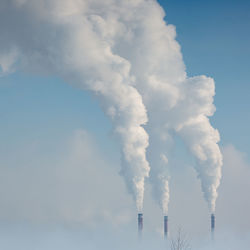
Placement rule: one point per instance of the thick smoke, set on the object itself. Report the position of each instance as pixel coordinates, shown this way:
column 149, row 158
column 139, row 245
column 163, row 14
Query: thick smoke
column 201, row 137
column 127, row 55
column 73, row 40
column 175, row 103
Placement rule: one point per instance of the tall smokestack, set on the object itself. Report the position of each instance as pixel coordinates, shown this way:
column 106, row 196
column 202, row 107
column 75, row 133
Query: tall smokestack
column 212, row 225
column 165, row 226
column 140, row 223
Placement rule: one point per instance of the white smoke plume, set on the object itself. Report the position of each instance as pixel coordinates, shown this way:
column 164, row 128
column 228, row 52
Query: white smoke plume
column 128, row 56
column 175, row 103
column 74, row 40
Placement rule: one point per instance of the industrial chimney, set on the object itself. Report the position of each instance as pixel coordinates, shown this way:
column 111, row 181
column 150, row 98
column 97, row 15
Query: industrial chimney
column 140, row 223
column 165, row 226
column 212, row 225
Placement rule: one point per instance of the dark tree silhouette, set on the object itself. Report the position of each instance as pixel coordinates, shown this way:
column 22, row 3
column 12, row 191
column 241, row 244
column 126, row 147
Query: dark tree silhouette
column 180, row 242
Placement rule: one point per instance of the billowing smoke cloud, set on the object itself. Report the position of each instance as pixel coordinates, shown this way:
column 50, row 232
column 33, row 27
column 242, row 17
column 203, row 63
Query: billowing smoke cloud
column 73, row 40
column 175, row 103
column 127, row 55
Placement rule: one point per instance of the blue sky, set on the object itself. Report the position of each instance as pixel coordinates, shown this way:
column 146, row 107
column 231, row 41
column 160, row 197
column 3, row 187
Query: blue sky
column 40, row 107
column 41, row 114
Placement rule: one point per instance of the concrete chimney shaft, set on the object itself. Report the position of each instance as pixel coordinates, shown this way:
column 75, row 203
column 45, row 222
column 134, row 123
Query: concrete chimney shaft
column 140, row 223
column 165, row 226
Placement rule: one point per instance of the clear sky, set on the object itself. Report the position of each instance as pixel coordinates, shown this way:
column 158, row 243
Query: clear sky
column 60, row 162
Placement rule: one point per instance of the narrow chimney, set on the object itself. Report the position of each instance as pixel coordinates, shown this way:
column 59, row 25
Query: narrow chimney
column 140, row 223
column 165, row 226
column 212, row 225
